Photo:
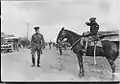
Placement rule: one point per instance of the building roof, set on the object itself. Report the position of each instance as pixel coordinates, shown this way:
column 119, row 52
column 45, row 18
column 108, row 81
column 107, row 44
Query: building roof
column 11, row 38
column 112, row 38
column 108, row 35
column 105, row 32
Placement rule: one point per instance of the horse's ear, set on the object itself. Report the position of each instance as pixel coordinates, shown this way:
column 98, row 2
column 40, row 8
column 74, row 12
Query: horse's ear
column 62, row 29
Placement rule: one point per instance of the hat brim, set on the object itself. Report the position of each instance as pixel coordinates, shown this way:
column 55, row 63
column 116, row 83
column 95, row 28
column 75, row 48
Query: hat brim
column 36, row 28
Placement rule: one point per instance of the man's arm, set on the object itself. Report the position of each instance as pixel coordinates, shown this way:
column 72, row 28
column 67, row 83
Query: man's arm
column 32, row 39
column 43, row 41
column 88, row 24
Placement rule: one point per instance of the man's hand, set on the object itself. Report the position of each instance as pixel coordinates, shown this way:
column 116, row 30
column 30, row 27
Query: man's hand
column 86, row 23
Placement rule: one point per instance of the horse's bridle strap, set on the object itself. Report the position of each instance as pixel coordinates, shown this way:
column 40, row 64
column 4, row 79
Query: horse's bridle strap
column 74, row 43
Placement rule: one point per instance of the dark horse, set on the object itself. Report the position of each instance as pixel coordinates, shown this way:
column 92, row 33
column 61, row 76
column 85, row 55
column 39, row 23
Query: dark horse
column 110, row 49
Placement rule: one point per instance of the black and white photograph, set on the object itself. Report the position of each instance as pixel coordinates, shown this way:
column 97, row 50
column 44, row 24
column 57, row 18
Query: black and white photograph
column 60, row 40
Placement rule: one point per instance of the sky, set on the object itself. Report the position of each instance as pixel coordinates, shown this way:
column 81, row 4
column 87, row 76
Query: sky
column 51, row 15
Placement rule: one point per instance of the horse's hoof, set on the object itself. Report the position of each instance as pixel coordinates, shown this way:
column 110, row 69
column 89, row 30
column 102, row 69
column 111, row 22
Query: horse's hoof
column 60, row 69
column 80, row 75
column 113, row 77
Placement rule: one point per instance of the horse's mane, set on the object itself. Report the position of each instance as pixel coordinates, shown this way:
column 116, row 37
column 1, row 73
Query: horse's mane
column 73, row 33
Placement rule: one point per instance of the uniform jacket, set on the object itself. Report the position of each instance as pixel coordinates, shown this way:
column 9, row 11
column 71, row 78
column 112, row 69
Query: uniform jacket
column 37, row 41
column 94, row 27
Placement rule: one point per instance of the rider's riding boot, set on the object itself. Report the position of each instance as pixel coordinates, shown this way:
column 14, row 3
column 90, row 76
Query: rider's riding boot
column 102, row 51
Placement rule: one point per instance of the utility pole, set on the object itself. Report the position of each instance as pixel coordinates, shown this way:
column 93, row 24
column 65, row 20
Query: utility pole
column 27, row 33
column 27, row 30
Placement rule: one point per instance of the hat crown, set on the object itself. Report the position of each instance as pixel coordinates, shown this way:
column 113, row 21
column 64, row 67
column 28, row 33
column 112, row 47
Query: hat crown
column 92, row 19
column 36, row 28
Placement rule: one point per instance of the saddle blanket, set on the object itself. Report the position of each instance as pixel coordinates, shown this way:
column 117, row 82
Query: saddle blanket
column 91, row 43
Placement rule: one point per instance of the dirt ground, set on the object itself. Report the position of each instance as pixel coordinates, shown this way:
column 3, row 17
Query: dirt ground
column 99, row 72
column 16, row 67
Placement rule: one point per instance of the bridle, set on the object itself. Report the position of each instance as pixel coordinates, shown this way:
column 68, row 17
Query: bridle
column 73, row 43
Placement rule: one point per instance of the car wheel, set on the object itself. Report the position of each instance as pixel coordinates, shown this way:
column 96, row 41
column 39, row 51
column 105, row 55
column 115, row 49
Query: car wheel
column 10, row 51
column 7, row 50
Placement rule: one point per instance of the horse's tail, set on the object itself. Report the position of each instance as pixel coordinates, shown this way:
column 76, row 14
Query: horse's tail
column 116, row 54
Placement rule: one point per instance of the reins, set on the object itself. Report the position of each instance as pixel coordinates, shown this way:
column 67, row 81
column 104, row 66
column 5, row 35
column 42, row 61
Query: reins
column 74, row 43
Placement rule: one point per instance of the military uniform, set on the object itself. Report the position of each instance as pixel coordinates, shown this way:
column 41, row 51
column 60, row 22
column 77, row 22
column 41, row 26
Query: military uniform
column 93, row 35
column 94, row 27
column 37, row 42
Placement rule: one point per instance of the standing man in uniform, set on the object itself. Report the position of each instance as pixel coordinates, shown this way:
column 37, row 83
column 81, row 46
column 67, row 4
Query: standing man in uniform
column 37, row 43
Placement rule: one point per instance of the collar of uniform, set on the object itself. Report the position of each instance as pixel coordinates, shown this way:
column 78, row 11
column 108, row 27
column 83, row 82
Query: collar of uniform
column 36, row 33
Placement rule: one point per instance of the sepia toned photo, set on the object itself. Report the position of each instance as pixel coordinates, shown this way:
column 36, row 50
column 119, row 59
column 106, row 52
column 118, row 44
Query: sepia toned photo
column 60, row 40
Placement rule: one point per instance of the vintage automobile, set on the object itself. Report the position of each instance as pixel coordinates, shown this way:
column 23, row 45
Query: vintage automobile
column 7, row 45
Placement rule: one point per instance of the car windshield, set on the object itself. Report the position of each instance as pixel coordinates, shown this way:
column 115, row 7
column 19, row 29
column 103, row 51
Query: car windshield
column 9, row 40
column 5, row 43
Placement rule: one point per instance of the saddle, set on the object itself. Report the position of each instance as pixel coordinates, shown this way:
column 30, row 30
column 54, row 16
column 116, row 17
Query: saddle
column 93, row 42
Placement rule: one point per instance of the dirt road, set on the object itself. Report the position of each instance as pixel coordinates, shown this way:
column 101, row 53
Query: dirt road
column 16, row 67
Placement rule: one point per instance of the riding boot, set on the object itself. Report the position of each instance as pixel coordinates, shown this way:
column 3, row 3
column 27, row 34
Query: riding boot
column 102, row 51
column 38, row 60
column 33, row 61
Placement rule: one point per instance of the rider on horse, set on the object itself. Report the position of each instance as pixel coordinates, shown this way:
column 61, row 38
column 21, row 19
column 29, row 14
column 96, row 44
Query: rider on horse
column 94, row 27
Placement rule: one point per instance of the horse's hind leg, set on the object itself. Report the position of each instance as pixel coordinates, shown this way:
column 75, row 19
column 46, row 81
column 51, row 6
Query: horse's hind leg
column 112, row 64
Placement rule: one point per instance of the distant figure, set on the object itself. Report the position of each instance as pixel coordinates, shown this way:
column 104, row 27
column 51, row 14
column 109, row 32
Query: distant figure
column 19, row 43
column 53, row 44
column 15, row 44
column 59, row 46
column 50, row 43
column 24, row 43
column 37, row 43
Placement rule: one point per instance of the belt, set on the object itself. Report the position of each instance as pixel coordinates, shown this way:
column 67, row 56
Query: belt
column 37, row 42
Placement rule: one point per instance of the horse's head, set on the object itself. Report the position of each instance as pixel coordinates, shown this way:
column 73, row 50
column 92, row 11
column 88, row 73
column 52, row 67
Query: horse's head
column 72, row 37
column 62, row 34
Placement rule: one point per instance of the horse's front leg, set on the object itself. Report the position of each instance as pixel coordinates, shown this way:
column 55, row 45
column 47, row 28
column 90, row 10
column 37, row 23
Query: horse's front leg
column 60, row 50
column 80, row 61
